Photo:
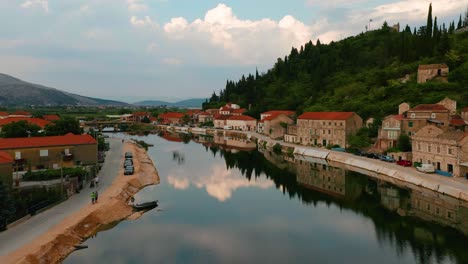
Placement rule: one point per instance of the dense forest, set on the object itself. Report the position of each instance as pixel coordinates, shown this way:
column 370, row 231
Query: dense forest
column 371, row 73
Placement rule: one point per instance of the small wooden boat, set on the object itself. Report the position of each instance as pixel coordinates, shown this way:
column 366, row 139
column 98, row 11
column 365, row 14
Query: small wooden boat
column 78, row 247
column 145, row 206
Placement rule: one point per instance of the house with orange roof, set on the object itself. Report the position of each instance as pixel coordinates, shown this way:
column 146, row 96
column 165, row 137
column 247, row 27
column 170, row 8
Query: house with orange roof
column 219, row 121
column 6, row 168
column 275, row 125
column 424, row 114
column 324, row 128
column 171, row 118
column 51, row 118
column 242, row 122
column 204, row 117
column 50, row 152
column 276, row 112
column 34, row 121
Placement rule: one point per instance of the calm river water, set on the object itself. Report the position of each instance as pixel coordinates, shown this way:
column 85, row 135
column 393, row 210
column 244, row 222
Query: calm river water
column 221, row 205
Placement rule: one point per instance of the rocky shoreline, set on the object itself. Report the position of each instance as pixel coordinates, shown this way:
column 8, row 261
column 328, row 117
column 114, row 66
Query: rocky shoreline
column 60, row 241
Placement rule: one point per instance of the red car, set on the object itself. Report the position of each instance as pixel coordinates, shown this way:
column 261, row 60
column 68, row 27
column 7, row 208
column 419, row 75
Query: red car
column 404, row 163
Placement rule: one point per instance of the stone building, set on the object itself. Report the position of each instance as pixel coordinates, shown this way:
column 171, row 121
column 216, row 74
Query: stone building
column 324, row 128
column 171, row 118
column 446, row 150
column 204, row 117
column 274, row 126
column 219, row 121
column 464, row 114
column 50, row 152
column 389, row 132
column 432, row 71
column 242, row 122
column 424, row 114
column 403, row 107
column 450, row 104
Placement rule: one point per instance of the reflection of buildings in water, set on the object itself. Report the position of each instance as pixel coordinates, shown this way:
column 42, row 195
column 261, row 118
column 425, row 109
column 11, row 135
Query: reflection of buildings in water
column 441, row 209
column 321, row 177
column 173, row 137
column 234, row 144
column 390, row 197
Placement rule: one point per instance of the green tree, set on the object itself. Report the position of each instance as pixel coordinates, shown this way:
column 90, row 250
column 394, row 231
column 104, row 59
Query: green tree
column 64, row 126
column 7, row 208
column 123, row 111
column 429, row 22
column 459, row 25
column 145, row 120
column 20, row 129
column 404, row 143
column 185, row 119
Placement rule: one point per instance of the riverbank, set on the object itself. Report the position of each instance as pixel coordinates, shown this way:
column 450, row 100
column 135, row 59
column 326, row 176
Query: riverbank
column 58, row 242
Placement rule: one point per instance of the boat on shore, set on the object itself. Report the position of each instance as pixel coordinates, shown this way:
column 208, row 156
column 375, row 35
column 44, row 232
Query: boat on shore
column 145, row 206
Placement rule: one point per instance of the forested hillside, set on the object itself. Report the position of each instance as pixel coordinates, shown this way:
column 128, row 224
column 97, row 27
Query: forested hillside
column 364, row 73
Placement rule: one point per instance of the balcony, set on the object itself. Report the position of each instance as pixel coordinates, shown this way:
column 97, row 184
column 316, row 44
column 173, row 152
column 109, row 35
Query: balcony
column 68, row 157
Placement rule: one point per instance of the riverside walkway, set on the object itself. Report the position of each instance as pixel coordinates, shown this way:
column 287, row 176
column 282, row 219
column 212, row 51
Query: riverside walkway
column 21, row 234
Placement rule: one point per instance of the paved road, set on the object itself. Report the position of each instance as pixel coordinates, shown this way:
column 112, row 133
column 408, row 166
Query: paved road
column 25, row 232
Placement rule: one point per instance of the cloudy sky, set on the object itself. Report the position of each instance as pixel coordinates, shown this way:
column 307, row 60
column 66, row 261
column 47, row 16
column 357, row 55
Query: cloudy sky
column 134, row 50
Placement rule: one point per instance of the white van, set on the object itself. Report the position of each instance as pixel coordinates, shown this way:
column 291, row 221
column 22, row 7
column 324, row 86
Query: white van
column 427, row 168
column 228, row 127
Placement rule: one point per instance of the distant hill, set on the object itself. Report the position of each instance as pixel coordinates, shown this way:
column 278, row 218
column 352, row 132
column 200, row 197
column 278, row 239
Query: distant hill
column 15, row 92
column 197, row 102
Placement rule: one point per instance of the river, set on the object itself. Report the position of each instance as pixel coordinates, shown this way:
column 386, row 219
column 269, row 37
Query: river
column 223, row 201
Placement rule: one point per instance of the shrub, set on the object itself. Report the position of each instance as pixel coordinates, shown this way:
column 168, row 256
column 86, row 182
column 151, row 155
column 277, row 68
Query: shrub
column 46, row 175
column 277, row 148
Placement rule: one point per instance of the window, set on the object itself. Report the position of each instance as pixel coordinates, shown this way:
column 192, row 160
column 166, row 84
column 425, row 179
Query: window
column 438, row 149
column 428, row 207
column 450, row 151
column 429, row 148
column 17, row 155
column 324, row 142
column 419, row 146
column 329, row 131
column 329, row 123
column 410, row 124
column 433, row 115
column 413, row 115
column 450, row 168
column 449, row 215
column 437, row 210
column 44, row 153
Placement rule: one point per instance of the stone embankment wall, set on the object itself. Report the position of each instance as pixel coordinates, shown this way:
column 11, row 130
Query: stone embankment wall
column 375, row 168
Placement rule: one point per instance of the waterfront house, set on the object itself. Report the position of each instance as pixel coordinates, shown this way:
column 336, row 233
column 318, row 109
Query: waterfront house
column 389, row 132
column 220, row 120
column 140, row 116
column 275, row 125
column 20, row 113
column 324, row 128
column 171, row 118
column 34, row 121
column 446, row 150
column 6, row 168
column 432, row 71
column 261, row 123
column 204, row 117
column 50, row 152
column 242, row 122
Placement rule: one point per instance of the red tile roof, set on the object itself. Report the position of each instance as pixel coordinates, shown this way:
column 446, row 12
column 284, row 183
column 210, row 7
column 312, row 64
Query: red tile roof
column 277, row 112
column 221, row 117
column 239, row 111
column 225, row 108
column 242, row 118
column 204, row 114
column 5, row 158
column 397, row 117
column 21, row 112
column 326, row 115
column 456, row 120
column 273, row 116
column 432, row 66
column 51, row 117
column 193, row 111
column 36, row 121
column 34, row 142
column 4, row 114
column 465, row 109
column 429, row 107
column 171, row 115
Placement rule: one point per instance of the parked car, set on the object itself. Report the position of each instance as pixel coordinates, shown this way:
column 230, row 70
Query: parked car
column 373, row 155
column 386, row 158
column 128, row 155
column 128, row 170
column 127, row 163
column 404, row 163
column 427, row 168
column 360, row 153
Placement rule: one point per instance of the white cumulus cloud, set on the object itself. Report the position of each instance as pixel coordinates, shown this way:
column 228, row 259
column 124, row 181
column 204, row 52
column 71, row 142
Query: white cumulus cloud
column 44, row 4
column 146, row 21
column 247, row 41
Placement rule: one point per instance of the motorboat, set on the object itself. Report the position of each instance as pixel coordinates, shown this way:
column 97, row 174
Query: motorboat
column 145, row 206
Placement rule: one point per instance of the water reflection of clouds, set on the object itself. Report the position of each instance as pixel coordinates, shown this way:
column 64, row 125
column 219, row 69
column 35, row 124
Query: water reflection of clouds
column 219, row 183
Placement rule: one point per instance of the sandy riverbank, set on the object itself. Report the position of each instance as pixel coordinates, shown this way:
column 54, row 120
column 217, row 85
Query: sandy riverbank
column 58, row 242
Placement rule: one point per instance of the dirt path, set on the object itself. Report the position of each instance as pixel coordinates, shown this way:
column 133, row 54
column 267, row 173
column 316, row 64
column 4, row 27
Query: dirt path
column 58, row 242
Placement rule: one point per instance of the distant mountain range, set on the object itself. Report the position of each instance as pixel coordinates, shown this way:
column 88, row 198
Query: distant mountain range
column 185, row 103
column 15, row 92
